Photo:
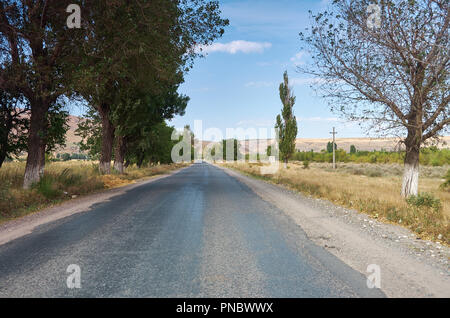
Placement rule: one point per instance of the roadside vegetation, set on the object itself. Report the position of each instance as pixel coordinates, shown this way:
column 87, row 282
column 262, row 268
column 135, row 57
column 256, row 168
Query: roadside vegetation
column 431, row 156
column 123, row 61
column 63, row 181
column 370, row 189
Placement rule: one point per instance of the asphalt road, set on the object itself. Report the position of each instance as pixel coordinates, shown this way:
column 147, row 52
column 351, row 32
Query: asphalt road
column 197, row 233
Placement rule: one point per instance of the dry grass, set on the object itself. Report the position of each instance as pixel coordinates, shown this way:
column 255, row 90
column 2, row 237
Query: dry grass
column 61, row 181
column 377, row 194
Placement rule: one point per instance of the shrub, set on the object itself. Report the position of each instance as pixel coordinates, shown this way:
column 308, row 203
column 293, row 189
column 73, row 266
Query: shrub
column 306, row 164
column 424, row 199
column 446, row 184
column 68, row 178
column 375, row 173
column 47, row 187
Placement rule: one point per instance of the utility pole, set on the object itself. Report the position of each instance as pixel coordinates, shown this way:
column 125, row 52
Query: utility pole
column 334, row 132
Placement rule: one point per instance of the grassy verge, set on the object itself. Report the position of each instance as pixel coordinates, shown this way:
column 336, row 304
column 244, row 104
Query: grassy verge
column 62, row 181
column 370, row 189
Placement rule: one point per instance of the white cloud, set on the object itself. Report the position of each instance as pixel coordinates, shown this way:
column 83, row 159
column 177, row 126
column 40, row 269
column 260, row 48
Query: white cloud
column 297, row 59
column 259, row 84
column 235, row 47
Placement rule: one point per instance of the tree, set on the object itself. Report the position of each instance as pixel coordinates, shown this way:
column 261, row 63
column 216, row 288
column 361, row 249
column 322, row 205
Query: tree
column 152, row 110
column 269, row 151
column 287, row 122
column 148, row 51
column 352, row 149
column 155, row 147
column 13, row 125
column 65, row 156
column 330, row 147
column 387, row 64
column 37, row 60
column 230, row 146
column 90, row 130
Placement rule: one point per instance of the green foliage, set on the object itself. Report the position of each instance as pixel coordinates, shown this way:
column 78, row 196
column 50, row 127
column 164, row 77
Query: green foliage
column 153, row 146
column 286, row 124
column 424, row 199
column 234, row 145
column 446, row 184
column 56, row 127
column 68, row 178
column 90, row 131
column 440, row 157
column 330, row 147
column 352, row 149
column 306, row 164
column 13, row 125
column 67, row 156
column 47, row 187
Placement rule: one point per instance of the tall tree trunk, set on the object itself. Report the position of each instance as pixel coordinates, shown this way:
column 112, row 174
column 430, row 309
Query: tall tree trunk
column 2, row 157
column 410, row 184
column 140, row 160
column 7, row 122
column 285, row 163
column 107, row 140
column 42, row 160
column 119, row 154
column 36, row 147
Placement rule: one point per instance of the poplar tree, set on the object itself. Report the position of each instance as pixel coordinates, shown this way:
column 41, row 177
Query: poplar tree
column 286, row 122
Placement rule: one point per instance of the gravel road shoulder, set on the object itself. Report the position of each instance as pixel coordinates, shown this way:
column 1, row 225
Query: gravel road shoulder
column 19, row 227
column 410, row 267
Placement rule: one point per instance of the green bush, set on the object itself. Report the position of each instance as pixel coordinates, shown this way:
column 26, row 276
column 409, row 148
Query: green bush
column 375, row 173
column 47, row 187
column 306, row 164
column 67, row 178
column 424, row 199
column 428, row 156
column 446, row 184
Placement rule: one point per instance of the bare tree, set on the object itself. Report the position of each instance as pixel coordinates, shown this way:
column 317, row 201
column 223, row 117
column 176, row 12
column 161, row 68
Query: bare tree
column 387, row 64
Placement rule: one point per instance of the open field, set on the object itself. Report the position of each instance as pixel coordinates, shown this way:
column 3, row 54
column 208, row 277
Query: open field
column 372, row 189
column 62, row 181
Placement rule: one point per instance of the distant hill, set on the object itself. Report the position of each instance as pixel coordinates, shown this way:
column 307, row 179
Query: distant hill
column 71, row 139
column 317, row 144
column 302, row 144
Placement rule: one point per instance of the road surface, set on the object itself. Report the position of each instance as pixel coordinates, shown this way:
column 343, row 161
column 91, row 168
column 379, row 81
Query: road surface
column 197, row 233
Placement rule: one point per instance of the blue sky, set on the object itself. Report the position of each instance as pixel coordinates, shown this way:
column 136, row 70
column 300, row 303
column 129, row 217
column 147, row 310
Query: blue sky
column 236, row 84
